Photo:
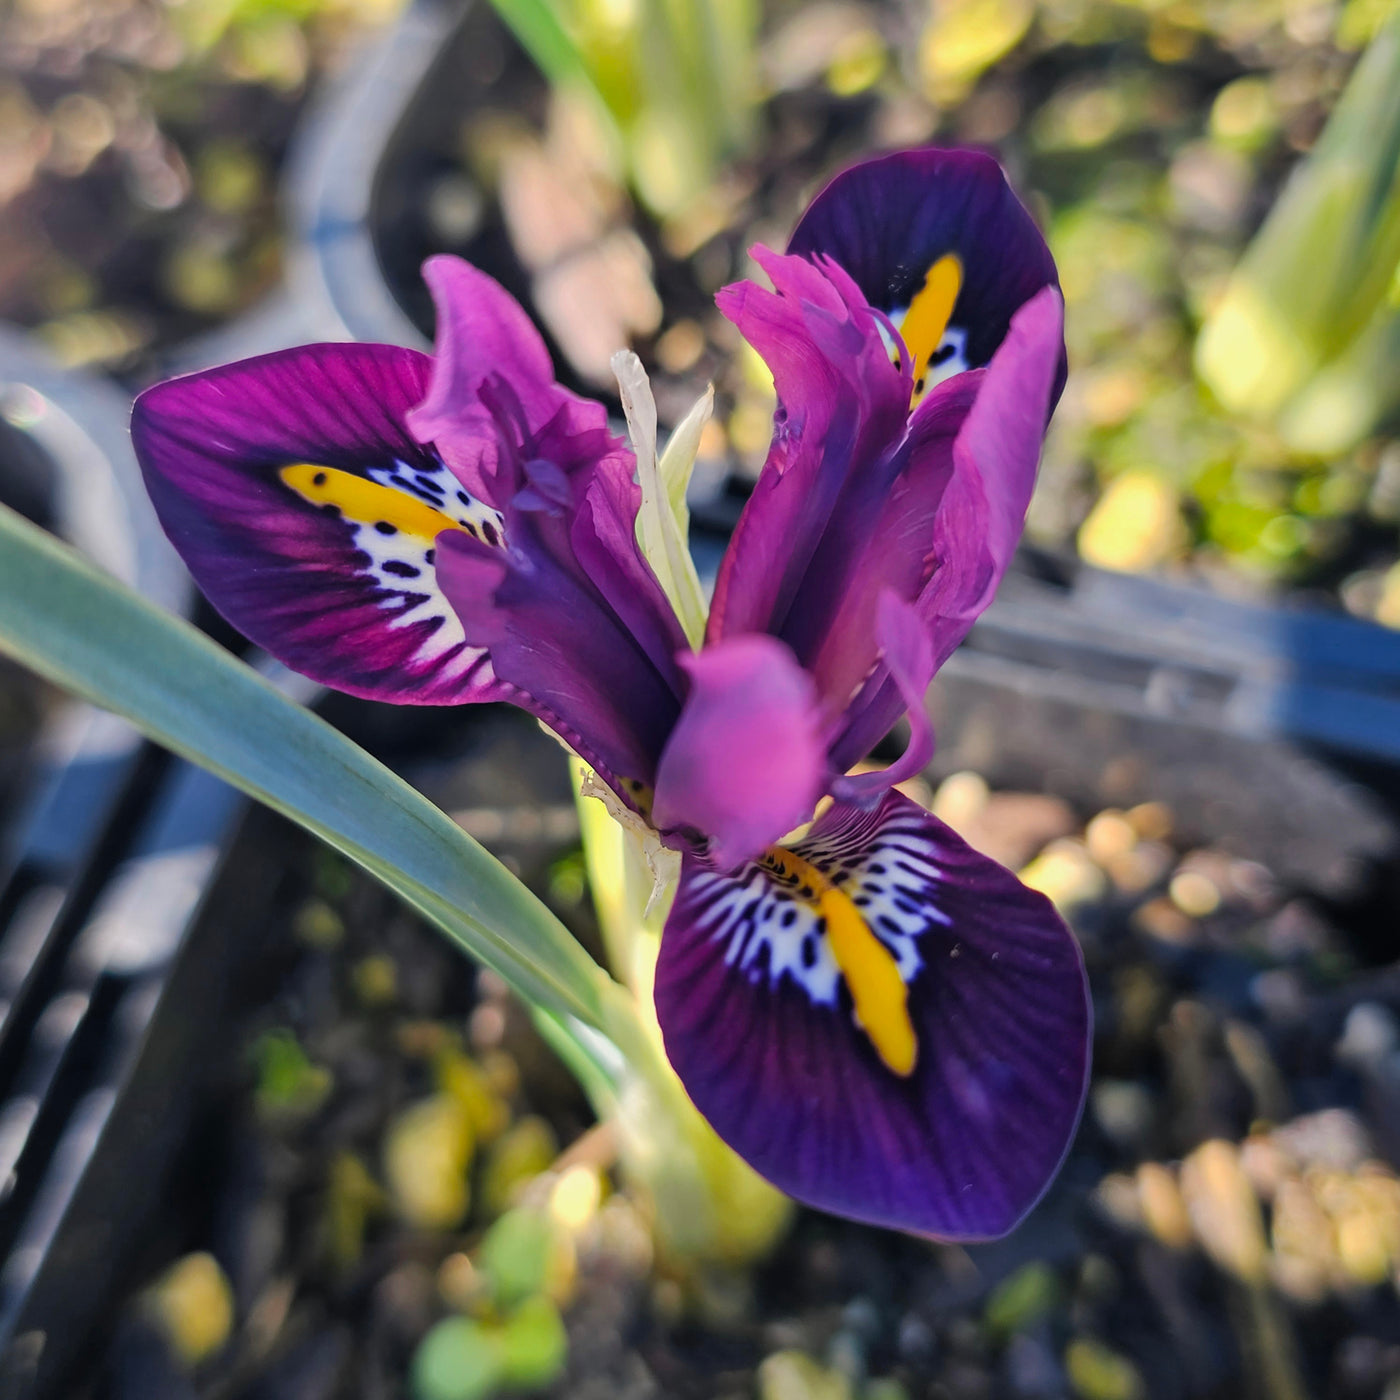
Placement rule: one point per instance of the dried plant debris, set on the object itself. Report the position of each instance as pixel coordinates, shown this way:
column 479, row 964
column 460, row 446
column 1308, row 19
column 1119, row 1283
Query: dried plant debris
column 413, row 1201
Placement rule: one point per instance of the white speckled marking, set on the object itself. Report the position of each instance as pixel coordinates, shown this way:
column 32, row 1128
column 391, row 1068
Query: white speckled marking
column 770, row 929
column 949, row 359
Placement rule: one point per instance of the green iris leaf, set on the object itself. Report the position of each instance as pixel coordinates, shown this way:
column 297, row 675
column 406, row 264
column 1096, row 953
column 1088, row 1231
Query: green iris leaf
column 85, row 632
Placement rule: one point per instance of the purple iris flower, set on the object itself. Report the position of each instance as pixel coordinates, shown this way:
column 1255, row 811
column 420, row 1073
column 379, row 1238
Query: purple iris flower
column 884, row 1022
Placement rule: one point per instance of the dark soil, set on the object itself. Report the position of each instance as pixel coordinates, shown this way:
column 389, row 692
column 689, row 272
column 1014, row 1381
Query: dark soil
column 1232, row 1009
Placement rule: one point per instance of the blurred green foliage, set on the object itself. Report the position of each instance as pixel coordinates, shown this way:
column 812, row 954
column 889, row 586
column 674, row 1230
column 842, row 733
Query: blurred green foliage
column 1021, row 1300
column 676, row 80
column 1157, row 134
column 515, row 1255
column 515, row 1339
column 460, row 1359
column 289, row 1084
column 139, row 146
column 1307, row 335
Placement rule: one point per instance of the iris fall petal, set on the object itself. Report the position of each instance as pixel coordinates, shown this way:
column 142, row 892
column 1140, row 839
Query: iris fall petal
column 889, row 221
column 308, row 515
column 760, row 1022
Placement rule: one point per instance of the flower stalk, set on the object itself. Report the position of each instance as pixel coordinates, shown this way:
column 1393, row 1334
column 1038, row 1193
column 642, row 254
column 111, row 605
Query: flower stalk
column 708, row 1206
column 819, row 974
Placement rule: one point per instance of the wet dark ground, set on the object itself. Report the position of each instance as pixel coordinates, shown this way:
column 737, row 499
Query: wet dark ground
column 1228, row 1220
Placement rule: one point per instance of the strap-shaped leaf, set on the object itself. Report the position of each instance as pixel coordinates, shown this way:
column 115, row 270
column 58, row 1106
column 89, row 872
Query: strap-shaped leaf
column 93, row 636
column 541, row 32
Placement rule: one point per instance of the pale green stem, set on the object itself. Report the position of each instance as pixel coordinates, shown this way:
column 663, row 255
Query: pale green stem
column 661, row 521
column 1268, row 1341
column 710, row 1205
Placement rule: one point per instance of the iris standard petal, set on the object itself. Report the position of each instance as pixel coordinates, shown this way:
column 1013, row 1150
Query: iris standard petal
column 834, row 622
column 309, row 515
column 841, row 414
column 996, row 457
column 907, row 654
column 846, row 507
column 938, row 241
column 577, row 626
column 746, row 761
column 884, row 1023
column 982, row 509
column 483, row 332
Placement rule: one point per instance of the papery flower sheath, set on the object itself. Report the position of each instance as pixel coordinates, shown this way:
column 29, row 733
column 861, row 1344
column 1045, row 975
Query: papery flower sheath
column 884, row 1022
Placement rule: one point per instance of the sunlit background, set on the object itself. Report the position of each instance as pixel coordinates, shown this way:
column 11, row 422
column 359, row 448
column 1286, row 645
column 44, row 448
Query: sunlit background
column 141, row 147
column 392, row 1199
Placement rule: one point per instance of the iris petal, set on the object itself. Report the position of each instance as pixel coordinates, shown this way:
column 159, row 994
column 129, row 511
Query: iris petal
column 906, row 653
column 760, row 1024
column 577, row 626
column 982, row 507
column 891, row 221
column 562, row 652
column 996, row 456
column 893, row 552
column 841, row 415
column 746, row 762
column 307, row 514
column 483, row 333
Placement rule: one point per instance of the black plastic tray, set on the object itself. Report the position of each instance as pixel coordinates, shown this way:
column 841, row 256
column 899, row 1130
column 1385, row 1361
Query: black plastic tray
column 1274, row 732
